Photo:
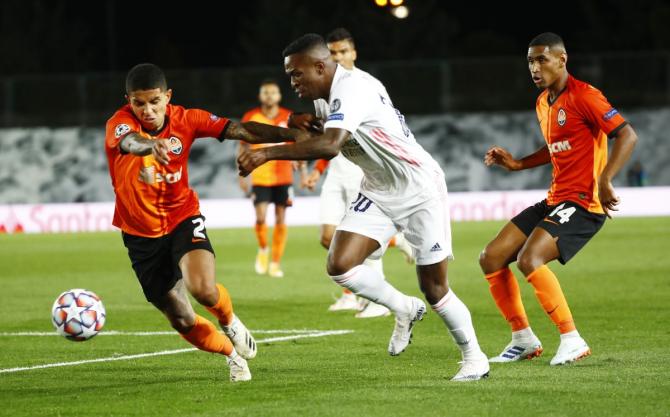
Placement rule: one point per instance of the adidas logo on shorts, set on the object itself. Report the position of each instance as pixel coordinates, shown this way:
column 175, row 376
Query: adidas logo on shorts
column 436, row 248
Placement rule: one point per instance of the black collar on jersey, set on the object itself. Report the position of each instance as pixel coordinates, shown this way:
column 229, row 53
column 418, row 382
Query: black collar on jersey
column 557, row 96
column 155, row 133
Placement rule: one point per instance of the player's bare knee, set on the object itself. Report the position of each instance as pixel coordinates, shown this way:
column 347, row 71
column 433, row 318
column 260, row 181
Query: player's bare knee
column 206, row 294
column 182, row 323
column 528, row 262
column 489, row 260
column 433, row 292
column 339, row 265
column 484, row 259
column 203, row 289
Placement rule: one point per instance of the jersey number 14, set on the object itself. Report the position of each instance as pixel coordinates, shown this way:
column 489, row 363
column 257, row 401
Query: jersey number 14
column 563, row 213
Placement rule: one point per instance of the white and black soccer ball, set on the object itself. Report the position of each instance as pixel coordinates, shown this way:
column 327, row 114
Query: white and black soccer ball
column 78, row 314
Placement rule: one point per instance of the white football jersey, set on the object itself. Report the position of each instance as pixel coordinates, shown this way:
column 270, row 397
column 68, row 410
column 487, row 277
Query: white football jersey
column 340, row 170
column 398, row 173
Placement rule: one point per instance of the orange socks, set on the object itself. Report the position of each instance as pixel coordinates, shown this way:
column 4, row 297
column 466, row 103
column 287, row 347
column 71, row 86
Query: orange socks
column 550, row 295
column 278, row 241
column 505, row 292
column 262, row 235
column 223, row 309
column 205, row 337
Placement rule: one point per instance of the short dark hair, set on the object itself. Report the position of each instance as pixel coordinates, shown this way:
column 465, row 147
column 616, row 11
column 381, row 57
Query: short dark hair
column 269, row 81
column 549, row 39
column 145, row 77
column 304, row 43
column 340, row 34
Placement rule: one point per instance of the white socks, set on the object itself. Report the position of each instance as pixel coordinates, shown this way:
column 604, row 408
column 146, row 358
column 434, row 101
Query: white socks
column 569, row 335
column 367, row 282
column 457, row 318
column 523, row 334
column 375, row 264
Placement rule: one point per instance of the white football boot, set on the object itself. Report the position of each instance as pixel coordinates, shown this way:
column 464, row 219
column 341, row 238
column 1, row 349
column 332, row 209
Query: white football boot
column 570, row 350
column 239, row 369
column 519, row 349
column 242, row 339
column 261, row 264
column 473, row 369
column 347, row 301
column 402, row 332
column 275, row 270
column 373, row 310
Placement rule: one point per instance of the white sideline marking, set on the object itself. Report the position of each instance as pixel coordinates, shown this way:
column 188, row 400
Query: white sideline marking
column 156, row 333
column 170, row 352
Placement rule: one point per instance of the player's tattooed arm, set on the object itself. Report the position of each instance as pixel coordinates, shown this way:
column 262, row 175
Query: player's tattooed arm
column 624, row 143
column 254, row 132
column 136, row 144
column 325, row 146
column 500, row 156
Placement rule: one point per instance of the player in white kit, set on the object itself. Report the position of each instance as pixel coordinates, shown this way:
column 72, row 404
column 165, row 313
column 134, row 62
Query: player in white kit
column 403, row 189
column 343, row 181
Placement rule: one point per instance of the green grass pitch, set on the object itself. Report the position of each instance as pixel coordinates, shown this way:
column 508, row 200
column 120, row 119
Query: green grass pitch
column 618, row 288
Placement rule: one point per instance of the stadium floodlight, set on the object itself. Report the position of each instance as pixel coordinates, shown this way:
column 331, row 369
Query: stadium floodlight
column 396, row 3
column 382, row 3
column 400, row 12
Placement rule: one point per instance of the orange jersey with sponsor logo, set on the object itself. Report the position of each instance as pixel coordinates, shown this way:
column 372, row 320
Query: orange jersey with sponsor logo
column 575, row 127
column 271, row 173
column 151, row 198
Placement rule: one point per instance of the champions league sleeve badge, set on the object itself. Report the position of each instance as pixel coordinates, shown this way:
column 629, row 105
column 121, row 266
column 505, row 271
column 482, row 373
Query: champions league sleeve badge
column 335, row 105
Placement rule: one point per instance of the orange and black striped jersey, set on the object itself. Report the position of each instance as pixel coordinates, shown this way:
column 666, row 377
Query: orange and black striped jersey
column 151, row 198
column 576, row 126
column 271, row 173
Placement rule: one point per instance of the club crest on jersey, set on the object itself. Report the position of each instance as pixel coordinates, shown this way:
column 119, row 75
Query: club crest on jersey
column 335, row 105
column 561, row 117
column 121, row 130
column 175, row 145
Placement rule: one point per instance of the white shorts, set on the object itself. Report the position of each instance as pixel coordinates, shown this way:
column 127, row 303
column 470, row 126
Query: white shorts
column 336, row 196
column 427, row 228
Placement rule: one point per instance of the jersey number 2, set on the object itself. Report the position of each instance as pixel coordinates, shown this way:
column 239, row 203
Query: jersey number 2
column 563, row 213
column 200, row 226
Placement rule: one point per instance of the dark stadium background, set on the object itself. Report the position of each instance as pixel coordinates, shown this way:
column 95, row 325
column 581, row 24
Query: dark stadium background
column 63, row 61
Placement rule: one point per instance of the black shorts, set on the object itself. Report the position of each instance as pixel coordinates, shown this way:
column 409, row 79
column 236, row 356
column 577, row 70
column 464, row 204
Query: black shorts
column 156, row 260
column 571, row 223
column 280, row 195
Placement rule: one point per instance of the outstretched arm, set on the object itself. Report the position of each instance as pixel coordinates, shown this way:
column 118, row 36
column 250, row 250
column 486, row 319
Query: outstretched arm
column 136, row 144
column 500, row 156
column 254, row 132
column 325, row 146
column 624, row 143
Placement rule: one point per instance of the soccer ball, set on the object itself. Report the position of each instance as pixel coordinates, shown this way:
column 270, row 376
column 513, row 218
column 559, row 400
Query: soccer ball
column 78, row 314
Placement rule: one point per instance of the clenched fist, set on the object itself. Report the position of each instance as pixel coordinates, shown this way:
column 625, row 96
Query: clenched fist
column 249, row 160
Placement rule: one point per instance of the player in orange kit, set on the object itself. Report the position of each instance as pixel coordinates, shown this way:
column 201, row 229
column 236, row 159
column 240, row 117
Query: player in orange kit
column 270, row 183
column 148, row 142
column 576, row 120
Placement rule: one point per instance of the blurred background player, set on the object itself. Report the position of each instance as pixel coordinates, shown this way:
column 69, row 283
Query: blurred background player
column 342, row 184
column 576, row 120
column 148, row 142
column 270, row 183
